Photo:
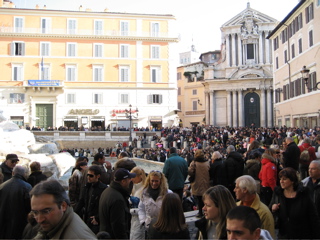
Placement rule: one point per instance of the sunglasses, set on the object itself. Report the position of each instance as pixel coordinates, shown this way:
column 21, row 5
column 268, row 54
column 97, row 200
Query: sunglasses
column 90, row 175
column 14, row 161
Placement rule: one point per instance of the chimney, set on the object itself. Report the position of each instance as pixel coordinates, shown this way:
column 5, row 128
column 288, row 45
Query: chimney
column 11, row 5
column 44, row 6
column 80, row 8
column 37, row 6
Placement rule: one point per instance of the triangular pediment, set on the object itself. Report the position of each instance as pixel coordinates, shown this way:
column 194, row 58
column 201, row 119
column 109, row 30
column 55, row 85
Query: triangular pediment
column 249, row 13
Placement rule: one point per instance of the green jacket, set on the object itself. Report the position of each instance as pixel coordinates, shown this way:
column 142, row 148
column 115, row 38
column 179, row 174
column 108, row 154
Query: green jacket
column 176, row 171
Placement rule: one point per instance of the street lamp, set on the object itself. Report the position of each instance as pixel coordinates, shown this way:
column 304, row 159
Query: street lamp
column 130, row 115
column 305, row 76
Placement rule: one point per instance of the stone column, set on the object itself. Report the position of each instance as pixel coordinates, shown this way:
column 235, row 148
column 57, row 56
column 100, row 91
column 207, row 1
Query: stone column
column 207, row 107
column 269, row 107
column 212, row 108
column 239, row 50
column 227, row 50
column 235, row 109
column 262, row 108
column 267, row 50
column 229, row 108
column 240, row 106
column 261, row 49
column 234, row 55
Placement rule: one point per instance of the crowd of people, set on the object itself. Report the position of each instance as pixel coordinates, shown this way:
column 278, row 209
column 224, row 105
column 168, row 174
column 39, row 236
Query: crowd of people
column 245, row 183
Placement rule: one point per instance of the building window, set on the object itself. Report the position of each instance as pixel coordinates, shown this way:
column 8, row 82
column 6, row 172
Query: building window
column 250, row 51
column 45, row 25
column 285, row 56
column 44, row 71
column 284, row 35
column 18, row 24
column 97, row 98
column 154, row 98
column 292, row 51
column 98, row 26
column 72, row 26
column 155, row 28
column 97, row 73
column 71, row 49
column 17, row 49
column 124, row 73
column 277, row 62
column 44, row 49
column 179, row 91
column 300, row 45
column 124, row 51
column 155, row 51
column 194, row 92
column 124, row 98
column 179, row 76
column 155, row 74
column 300, row 22
column 309, row 13
column 124, row 28
column 194, row 105
column 179, row 105
column 310, row 38
column 71, row 98
column 17, row 72
column 71, row 73
column 98, row 48
column 17, row 98
column 276, row 43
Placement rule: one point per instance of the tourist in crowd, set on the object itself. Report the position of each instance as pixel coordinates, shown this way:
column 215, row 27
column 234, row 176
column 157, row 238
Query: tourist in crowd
column 199, row 167
column 75, row 182
column 171, row 223
column 36, row 175
column 292, row 205
column 155, row 188
column 137, row 231
column 218, row 201
column 217, row 170
column 7, row 166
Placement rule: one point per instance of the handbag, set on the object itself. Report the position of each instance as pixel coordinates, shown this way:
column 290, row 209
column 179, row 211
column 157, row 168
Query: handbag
column 192, row 176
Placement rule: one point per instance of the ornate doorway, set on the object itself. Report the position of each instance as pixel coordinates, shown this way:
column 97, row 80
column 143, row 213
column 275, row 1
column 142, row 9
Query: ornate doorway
column 252, row 109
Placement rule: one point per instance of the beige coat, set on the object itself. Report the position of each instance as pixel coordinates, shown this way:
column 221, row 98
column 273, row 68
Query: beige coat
column 202, row 179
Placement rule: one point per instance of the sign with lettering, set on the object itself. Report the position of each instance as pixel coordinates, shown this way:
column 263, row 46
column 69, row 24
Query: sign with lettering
column 83, row 111
column 44, row 83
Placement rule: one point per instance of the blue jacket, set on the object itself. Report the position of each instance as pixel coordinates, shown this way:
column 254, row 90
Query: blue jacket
column 176, row 171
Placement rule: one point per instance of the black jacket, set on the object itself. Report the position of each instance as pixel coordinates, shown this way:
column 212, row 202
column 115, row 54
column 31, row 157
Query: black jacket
column 114, row 211
column 291, row 156
column 36, row 177
column 6, row 171
column 218, row 173
column 14, row 207
column 299, row 222
column 88, row 206
column 234, row 167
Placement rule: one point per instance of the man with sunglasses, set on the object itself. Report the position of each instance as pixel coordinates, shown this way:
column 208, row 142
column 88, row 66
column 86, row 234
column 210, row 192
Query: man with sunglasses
column 88, row 205
column 7, row 166
column 50, row 206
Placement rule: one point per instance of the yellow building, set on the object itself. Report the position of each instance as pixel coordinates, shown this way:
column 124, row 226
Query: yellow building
column 296, row 42
column 84, row 68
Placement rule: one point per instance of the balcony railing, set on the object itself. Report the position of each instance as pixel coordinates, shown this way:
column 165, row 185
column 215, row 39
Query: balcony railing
column 86, row 32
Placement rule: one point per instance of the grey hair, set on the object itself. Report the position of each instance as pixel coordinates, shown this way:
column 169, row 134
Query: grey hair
column 21, row 170
column 230, row 148
column 317, row 162
column 247, row 182
column 289, row 139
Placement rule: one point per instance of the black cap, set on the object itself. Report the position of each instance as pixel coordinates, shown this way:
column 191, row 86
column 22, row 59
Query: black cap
column 12, row 157
column 123, row 173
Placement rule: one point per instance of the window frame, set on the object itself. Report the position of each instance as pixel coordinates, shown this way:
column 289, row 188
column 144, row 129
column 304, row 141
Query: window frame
column 157, row 74
column 20, row 72
column 71, row 66
column 69, row 45
column 124, row 73
column 68, row 97
column 99, row 98
column 96, row 50
column 95, row 77
column 98, row 31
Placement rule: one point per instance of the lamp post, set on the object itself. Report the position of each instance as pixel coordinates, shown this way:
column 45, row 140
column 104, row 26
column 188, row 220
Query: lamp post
column 129, row 115
column 305, row 76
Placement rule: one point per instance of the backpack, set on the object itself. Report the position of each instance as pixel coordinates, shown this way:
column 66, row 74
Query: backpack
column 305, row 156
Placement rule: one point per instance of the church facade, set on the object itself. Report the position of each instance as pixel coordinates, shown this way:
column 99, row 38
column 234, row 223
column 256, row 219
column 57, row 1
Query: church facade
column 238, row 87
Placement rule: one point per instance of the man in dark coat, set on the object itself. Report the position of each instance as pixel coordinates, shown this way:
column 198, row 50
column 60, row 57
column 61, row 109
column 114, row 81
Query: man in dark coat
column 291, row 155
column 14, row 204
column 234, row 166
column 114, row 212
column 88, row 206
column 7, row 166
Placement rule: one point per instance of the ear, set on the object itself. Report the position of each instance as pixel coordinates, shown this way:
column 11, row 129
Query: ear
column 64, row 206
column 257, row 233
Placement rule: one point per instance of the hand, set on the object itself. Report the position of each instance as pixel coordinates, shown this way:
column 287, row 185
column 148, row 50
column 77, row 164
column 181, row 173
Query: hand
column 275, row 207
column 93, row 221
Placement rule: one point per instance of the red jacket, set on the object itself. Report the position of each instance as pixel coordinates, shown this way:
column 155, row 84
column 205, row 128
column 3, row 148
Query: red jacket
column 311, row 150
column 268, row 172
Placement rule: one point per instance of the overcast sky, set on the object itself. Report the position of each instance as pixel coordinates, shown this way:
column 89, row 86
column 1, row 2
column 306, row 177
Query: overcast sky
column 198, row 20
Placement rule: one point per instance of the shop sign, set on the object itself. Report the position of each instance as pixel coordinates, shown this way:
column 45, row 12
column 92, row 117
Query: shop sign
column 83, row 111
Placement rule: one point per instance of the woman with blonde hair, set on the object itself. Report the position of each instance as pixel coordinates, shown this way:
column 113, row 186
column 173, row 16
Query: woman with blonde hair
column 171, row 223
column 199, row 167
column 154, row 190
column 218, row 201
column 136, row 231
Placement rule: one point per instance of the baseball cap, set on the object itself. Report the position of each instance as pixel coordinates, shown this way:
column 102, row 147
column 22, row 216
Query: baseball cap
column 123, row 173
column 12, row 157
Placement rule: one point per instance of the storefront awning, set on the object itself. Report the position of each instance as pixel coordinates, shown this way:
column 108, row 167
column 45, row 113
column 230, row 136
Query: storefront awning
column 70, row 119
column 155, row 120
column 97, row 119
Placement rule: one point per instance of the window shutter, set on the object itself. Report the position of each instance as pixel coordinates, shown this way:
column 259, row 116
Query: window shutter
column 23, row 49
column 12, row 49
column 149, row 99
column 160, row 98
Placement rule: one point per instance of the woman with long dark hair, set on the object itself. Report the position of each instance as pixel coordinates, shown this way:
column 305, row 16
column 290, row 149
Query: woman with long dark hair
column 171, row 223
